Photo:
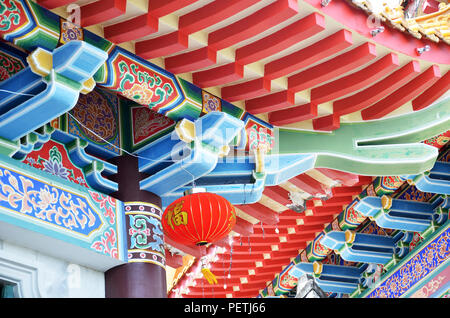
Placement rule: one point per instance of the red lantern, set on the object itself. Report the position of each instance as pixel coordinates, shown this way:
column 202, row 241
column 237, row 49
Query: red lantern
column 198, row 219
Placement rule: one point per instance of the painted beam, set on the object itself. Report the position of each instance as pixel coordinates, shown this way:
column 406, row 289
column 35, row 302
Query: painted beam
column 191, row 61
column 54, row 78
column 433, row 93
column 164, row 45
column 359, row 247
column 333, row 68
column 327, row 123
column 318, row 51
column 270, row 103
column 377, row 91
column 246, row 90
column 132, row 29
column 355, row 81
column 278, row 194
column 145, row 24
column 378, row 149
column 243, row 227
column 260, row 212
column 200, row 143
column 253, row 24
column 331, row 278
column 211, row 14
column 218, row 76
column 308, row 184
column 160, row 8
column 102, row 11
column 394, row 39
column 52, row 4
column 255, row 51
column 293, row 114
column 404, row 94
column 280, row 40
column 397, row 214
column 347, row 179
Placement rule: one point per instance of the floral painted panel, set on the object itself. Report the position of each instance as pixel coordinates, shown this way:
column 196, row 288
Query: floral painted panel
column 416, row 268
column 86, row 217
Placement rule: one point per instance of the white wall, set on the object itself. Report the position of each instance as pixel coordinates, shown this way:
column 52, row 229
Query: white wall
column 40, row 275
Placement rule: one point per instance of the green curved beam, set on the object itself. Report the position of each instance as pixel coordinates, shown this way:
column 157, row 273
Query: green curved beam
column 377, row 148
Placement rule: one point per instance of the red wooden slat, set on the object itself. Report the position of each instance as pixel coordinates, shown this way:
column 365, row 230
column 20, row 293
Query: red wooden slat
column 403, row 94
column 51, row 4
column 270, row 103
column 253, row 24
column 260, row 212
column 132, row 29
column 163, row 45
column 355, row 81
column 332, row 68
column 346, row 178
column 243, row 227
column 282, row 39
column 308, row 184
column 190, row 61
column 221, row 75
column 293, row 114
column 211, row 14
column 160, row 8
column 375, row 92
column 246, row 90
column 309, row 55
column 327, row 123
column 102, row 11
column 278, row 194
column 434, row 92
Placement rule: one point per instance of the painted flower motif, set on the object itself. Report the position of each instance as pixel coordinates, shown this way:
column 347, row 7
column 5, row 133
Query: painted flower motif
column 47, row 198
column 140, row 93
column 418, row 268
column 393, row 286
column 56, row 168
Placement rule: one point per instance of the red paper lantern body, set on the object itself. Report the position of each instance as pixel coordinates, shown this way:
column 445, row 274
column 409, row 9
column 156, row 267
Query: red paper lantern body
column 198, row 219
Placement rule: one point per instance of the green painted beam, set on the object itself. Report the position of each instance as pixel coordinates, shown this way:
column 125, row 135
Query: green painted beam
column 376, row 148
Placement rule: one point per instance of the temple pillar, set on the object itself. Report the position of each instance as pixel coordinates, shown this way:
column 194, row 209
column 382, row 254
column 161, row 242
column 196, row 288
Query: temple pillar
column 144, row 276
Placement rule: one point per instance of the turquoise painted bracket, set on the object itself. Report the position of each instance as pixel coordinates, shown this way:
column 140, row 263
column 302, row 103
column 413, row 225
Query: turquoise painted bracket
column 376, row 148
column 187, row 154
column 331, row 278
column 402, row 214
column 235, row 178
column 47, row 88
column 437, row 180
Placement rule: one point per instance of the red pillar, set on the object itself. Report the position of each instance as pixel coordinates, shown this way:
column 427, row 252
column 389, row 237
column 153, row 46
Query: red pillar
column 144, row 276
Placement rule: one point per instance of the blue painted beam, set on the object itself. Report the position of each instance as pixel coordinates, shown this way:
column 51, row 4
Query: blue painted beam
column 48, row 88
column 437, row 180
column 331, row 278
column 174, row 163
column 399, row 214
column 359, row 247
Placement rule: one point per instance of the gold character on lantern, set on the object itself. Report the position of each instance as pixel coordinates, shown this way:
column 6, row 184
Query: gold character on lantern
column 176, row 215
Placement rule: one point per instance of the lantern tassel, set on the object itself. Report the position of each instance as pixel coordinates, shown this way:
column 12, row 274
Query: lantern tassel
column 210, row 277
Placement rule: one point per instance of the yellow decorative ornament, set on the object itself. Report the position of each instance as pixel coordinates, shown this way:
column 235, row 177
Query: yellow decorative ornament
column 210, row 277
